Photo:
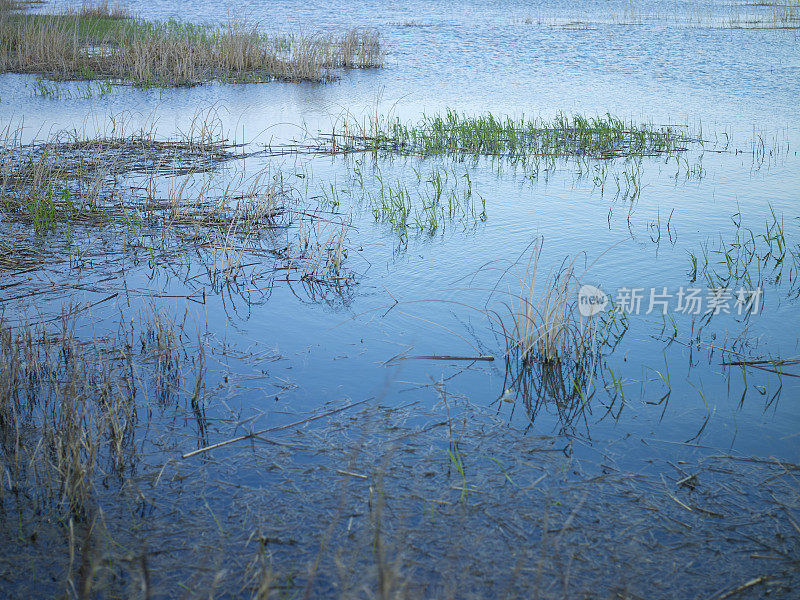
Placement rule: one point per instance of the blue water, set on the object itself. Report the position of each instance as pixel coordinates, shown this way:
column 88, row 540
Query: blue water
column 736, row 84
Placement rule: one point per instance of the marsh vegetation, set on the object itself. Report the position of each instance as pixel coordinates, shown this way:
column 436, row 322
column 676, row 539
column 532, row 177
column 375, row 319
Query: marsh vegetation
column 98, row 43
column 516, row 139
column 306, row 343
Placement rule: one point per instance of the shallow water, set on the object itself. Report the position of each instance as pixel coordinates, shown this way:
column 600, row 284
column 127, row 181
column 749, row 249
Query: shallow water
column 302, row 349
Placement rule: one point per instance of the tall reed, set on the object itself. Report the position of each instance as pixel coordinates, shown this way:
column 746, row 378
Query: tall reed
column 99, row 44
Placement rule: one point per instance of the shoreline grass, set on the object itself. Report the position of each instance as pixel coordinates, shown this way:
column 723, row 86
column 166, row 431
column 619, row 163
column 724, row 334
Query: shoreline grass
column 103, row 44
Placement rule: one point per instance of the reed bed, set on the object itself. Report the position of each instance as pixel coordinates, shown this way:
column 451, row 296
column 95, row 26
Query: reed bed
column 73, row 411
column 751, row 14
column 101, row 44
column 69, row 179
column 102, row 10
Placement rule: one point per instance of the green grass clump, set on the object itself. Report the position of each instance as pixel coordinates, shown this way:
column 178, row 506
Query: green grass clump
column 488, row 135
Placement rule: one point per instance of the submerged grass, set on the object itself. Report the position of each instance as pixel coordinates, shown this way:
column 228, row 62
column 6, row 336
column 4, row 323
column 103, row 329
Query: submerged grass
column 63, row 417
column 428, row 201
column 751, row 258
column 99, row 44
column 160, row 202
column 404, row 511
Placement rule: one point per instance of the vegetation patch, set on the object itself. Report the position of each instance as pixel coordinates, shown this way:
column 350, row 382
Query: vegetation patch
column 434, row 198
column 164, row 200
column 751, row 257
column 488, row 135
column 99, row 43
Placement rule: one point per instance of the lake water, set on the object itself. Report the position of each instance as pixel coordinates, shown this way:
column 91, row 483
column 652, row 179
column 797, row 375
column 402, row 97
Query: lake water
column 666, row 404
